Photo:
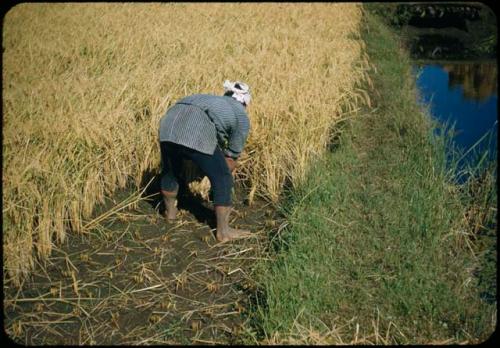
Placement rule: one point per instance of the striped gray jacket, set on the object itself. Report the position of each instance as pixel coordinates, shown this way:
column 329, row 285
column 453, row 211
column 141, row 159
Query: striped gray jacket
column 203, row 121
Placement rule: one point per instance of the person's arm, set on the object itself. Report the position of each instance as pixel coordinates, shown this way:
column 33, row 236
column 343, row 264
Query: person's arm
column 237, row 140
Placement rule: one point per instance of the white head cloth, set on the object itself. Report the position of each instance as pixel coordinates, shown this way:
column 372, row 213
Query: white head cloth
column 241, row 94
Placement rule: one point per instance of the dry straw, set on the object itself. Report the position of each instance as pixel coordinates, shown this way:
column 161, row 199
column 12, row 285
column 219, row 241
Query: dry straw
column 86, row 84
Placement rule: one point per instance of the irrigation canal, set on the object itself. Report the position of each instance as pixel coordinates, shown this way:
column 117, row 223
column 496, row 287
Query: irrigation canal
column 456, row 75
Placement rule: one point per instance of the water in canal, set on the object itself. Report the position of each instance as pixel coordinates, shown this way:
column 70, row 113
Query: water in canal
column 463, row 95
column 455, row 65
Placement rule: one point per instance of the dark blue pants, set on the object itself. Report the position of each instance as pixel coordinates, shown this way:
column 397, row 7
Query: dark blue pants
column 214, row 166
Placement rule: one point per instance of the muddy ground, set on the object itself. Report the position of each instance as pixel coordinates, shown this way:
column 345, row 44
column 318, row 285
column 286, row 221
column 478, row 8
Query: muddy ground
column 136, row 279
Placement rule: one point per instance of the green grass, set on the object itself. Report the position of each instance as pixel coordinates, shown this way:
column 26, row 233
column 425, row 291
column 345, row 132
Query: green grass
column 377, row 247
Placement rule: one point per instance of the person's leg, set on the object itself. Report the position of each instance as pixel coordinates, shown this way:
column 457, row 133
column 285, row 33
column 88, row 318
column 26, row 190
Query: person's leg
column 224, row 232
column 169, row 184
column 221, row 180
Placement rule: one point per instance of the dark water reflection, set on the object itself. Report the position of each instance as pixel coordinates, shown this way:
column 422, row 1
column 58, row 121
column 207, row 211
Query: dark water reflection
column 463, row 94
column 456, row 70
column 478, row 80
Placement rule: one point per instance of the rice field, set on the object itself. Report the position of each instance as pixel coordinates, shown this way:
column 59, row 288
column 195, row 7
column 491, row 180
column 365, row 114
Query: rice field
column 84, row 87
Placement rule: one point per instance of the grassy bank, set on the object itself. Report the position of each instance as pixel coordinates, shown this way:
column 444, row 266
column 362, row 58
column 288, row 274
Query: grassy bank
column 379, row 246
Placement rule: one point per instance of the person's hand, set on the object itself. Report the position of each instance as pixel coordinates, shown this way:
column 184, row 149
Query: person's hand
column 231, row 163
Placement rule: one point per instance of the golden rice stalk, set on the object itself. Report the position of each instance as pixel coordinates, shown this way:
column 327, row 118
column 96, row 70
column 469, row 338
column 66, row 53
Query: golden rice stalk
column 44, row 243
column 197, row 182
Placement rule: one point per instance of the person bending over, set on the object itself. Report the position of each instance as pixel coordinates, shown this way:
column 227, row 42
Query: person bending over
column 211, row 131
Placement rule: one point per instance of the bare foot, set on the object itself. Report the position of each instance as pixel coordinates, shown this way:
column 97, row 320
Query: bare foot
column 231, row 234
